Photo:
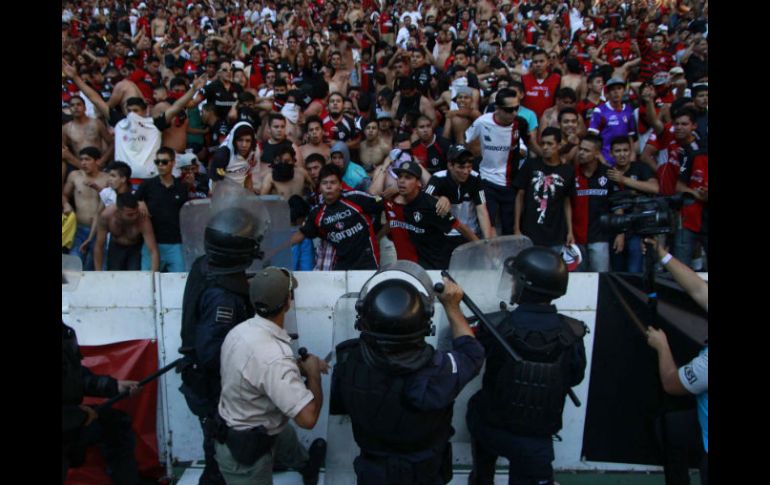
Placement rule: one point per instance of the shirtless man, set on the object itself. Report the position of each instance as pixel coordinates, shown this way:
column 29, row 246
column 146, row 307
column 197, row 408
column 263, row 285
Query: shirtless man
column 128, row 231
column 373, row 149
column 175, row 136
column 459, row 79
column 286, row 178
column 124, row 90
column 385, row 125
column 315, row 140
column 565, row 98
column 485, row 10
column 158, row 25
column 338, row 81
column 459, row 119
column 83, row 132
column 574, row 78
column 443, row 48
column 86, row 199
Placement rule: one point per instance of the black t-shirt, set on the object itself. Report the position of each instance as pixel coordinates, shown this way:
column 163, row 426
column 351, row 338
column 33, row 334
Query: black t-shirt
column 433, row 157
column 219, row 132
column 545, row 188
column 164, row 204
column 347, row 225
column 638, row 171
column 222, row 98
column 422, row 76
column 269, row 150
column 418, row 233
column 463, row 197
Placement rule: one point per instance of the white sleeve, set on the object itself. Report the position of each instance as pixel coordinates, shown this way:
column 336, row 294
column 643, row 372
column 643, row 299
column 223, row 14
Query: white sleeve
column 472, row 132
column 695, row 375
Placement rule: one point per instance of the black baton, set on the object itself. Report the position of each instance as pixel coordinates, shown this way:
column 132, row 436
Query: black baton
column 439, row 288
column 144, row 381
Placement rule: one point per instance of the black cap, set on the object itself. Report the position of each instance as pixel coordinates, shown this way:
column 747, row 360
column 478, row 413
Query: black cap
column 457, row 151
column 410, row 167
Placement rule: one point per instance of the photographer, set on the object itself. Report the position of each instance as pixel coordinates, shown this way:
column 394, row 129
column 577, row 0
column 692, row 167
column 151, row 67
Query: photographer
column 691, row 378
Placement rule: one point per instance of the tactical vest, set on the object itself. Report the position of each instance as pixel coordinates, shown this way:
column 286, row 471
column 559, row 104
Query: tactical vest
column 528, row 397
column 72, row 379
column 383, row 420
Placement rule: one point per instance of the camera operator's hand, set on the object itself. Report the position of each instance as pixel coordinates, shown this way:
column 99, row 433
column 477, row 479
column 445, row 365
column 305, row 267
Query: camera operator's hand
column 619, row 243
column 615, row 175
column 659, row 248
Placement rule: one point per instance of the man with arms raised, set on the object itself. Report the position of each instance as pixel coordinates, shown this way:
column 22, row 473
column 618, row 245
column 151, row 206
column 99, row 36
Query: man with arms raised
column 83, row 132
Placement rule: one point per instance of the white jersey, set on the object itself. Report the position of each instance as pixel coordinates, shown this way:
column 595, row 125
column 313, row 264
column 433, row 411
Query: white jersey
column 137, row 139
column 497, row 160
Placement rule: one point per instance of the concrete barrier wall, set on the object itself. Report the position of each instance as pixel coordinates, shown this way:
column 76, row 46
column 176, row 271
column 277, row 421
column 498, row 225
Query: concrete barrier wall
column 117, row 306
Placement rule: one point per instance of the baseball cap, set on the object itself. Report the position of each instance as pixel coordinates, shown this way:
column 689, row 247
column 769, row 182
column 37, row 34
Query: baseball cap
column 411, row 167
column 676, row 71
column 457, row 151
column 186, row 160
column 142, row 5
column 237, row 65
column 270, row 288
column 571, row 256
column 614, row 81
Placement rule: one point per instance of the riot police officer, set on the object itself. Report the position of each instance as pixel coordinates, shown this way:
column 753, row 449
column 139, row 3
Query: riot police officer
column 82, row 426
column 216, row 298
column 520, row 404
column 398, row 390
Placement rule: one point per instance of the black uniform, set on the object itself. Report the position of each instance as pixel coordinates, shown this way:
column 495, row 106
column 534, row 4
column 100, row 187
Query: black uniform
column 113, row 428
column 211, row 306
column 501, row 417
column 401, row 418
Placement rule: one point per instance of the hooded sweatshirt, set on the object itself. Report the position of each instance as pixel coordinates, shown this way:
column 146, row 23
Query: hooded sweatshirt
column 227, row 162
column 353, row 174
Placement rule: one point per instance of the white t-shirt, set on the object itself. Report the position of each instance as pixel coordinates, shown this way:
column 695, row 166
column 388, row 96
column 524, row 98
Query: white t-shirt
column 137, row 139
column 495, row 142
column 108, row 196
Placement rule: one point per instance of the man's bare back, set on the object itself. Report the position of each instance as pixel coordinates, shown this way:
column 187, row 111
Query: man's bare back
column 576, row 82
column 124, row 90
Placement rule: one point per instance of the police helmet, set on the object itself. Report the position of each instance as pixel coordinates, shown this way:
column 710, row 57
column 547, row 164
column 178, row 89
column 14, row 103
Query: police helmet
column 232, row 240
column 540, row 270
column 395, row 308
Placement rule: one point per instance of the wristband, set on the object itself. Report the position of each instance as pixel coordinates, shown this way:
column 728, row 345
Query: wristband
column 666, row 259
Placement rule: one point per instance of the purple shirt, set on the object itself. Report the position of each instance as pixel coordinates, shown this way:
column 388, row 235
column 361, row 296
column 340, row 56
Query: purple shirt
column 610, row 124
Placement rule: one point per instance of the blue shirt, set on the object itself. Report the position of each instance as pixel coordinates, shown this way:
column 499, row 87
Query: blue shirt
column 694, row 376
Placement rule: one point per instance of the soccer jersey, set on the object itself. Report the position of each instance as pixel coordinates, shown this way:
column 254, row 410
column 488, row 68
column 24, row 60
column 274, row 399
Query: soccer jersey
column 610, row 123
column 432, row 157
column 463, row 197
column 540, row 93
column 499, row 148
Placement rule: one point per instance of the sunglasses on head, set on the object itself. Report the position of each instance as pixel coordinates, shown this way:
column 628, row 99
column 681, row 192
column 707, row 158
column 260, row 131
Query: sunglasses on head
column 159, row 161
column 508, row 109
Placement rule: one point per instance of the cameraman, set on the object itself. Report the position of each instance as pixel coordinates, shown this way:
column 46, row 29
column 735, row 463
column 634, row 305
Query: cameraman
column 692, row 378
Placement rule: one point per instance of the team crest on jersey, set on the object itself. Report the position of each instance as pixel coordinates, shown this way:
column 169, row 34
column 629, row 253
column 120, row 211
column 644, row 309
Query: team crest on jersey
column 602, row 181
column 417, row 217
column 339, row 226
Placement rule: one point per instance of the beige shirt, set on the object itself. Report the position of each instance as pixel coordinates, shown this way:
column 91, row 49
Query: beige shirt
column 261, row 382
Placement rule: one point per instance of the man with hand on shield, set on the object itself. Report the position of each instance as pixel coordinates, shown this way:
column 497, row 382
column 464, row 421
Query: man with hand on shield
column 262, row 388
column 520, row 404
column 216, row 298
column 398, row 390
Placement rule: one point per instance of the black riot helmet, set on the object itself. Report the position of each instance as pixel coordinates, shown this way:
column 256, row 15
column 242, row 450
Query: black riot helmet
column 539, row 270
column 395, row 309
column 232, row 240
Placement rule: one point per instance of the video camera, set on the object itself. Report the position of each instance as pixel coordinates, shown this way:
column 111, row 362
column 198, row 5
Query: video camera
column 643, row 215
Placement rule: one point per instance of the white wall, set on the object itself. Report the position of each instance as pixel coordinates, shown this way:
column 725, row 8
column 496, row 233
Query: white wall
column 116, row 306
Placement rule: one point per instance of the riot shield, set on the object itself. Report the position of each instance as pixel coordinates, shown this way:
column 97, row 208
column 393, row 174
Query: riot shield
column 271, row 211
column 71, row 272
column 479, row 268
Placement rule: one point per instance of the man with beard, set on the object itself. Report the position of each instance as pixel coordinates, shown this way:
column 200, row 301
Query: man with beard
column 345, row 222
column 286, row 179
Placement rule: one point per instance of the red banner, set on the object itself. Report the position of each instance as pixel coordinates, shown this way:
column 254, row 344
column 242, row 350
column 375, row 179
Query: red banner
column 131, row 360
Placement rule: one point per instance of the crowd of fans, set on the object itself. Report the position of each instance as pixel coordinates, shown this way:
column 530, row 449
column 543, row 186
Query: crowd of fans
column 407, row 126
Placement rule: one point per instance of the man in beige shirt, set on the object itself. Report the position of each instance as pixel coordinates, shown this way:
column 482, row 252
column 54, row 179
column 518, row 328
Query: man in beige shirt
column 262, row 389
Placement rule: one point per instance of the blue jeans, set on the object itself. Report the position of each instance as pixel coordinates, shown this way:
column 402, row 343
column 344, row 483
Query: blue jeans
column 87, row 257
column 171, row 258
column 684, row 243
column 596, row 257
column 631, row 259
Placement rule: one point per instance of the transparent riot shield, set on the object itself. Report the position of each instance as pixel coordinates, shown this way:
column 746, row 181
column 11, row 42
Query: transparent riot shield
column 271, row 211
column 71, row 272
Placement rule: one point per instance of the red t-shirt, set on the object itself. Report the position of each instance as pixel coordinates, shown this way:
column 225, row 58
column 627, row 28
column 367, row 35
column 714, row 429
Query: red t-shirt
column 540, row 95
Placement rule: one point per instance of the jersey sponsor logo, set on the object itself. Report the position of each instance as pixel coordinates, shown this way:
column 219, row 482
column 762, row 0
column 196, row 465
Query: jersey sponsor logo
column 336, row 237
column 493, row 148
column 338, row 216
column 407, row 226
column 590, row 192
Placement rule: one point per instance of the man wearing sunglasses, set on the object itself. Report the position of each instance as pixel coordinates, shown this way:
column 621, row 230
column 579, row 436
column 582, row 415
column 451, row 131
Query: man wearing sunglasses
column 222, row 92
column 163, row 197
column 262, row 388
column 497, row 137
